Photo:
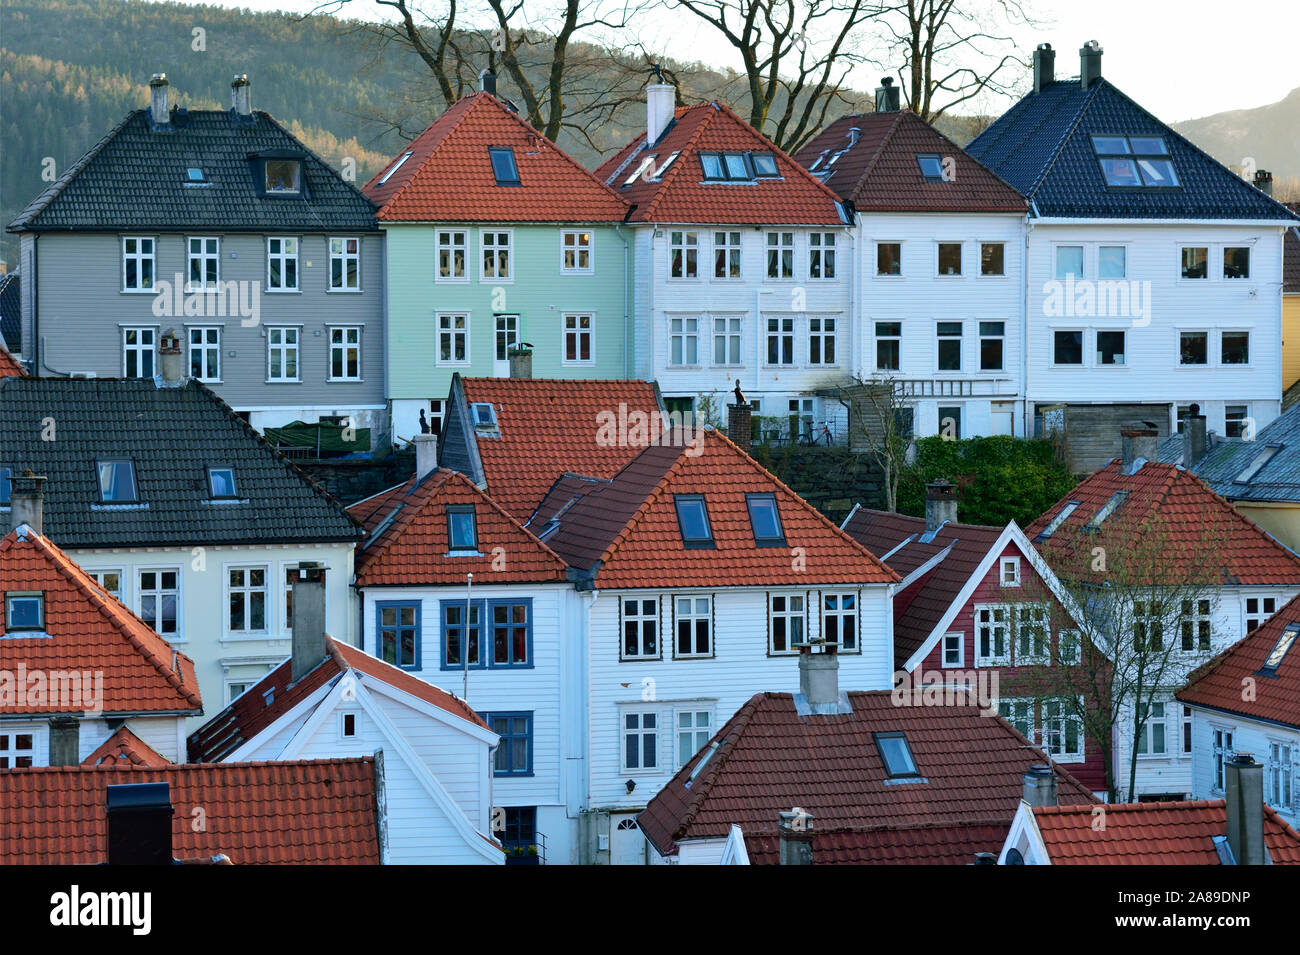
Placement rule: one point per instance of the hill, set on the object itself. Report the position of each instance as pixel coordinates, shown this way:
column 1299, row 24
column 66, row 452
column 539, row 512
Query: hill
column 1268, row 135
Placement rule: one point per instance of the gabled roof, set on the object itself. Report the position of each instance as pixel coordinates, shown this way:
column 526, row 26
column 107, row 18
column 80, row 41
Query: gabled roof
column 448, row 176
column 770, row 758
column 411, row 546
column 135, row 178
column 86, row 631
column 125, row 750
column 1219, row 683
column 545, row 427
column 275, row 695
column 1042, row 146
column 680, row 194
column 1177, row 505
column 875, row 167
column 626, row 533
column 172, row 435
column 1229, row 463
column 11, row 332
column 312, row 812
column 920, row 844
column 1152, row 833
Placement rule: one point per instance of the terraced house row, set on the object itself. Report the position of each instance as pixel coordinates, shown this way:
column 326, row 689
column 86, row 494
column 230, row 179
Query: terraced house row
column 1078, row 264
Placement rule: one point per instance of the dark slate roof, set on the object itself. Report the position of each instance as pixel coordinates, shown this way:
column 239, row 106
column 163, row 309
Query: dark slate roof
column 172, row 434
column 1277, row 480
column 134, row 178
column 1291, row 261
column 1042, row 147
column 11, row 333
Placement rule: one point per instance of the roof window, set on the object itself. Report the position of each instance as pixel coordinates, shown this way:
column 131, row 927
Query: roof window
column 1055, row 523
column 1107, row 510
column 117, row 482
column 503, row 165
column 1135, row 162
column 1257, row 464
column 765, row 520
column 462, row 528
column 1284, row 643
column 394, row 167
column 931, row 166
column 24, row 611
column 896, row 755
column 221, row 482
column 693, row 520
column 484, row 416
column 646, row 163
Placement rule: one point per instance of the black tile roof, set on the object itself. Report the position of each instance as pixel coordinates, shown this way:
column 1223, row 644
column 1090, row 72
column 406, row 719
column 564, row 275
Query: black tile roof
column 135, row 178
column 172, row 434
column 1042, row 146
column 10, row 312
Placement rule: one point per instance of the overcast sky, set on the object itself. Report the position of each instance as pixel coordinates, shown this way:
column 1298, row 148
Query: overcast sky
column 1178, row 58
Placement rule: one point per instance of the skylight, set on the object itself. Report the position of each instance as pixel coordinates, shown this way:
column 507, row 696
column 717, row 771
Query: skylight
column 765, row 520
column 484, row 415
column 693, row 520
column 646, row 163
column 221, row 482
column 895, row 754
column 1135, row 162
column 503, row 166
column 667, row 162
column 1055, row 523
column 24, row 611
column 1284, row 643
column 764, row 165
column 194, row 174
column 462, row 530
column 393, row 168
column 738, row 167
column 1107, row 510
column 117, row 482
column 931, row 166
column 821, row 157
column 6, row 484
column 1257, row 464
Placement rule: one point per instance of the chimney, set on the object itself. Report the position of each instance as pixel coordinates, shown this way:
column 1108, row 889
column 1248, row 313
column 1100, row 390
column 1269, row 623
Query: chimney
column 1193, row 436
column 795, row 827
column 819, row 676
column 887, row 96
column 660, row 99
column 1089, row 63
column 1138, row 443
column 1040, row 786
column 158, row 108
column 426, row 454
column 171, row 358
column 27, row 502
column 308, row 620
column 65, row 741
column 1245, row 791
column 985, row 858
column 1044, row 67
column 940, row 504
column 521, row 360
column 140, row 824
column 1264, row 181
column 740, row 421
column 241, row 95
column 487, row 82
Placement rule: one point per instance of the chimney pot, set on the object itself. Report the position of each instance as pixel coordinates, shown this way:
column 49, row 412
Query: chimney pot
column 819, row 676
column 487, row 82
column 27, row 502
column 521, row 360
column 1244, row 785
column 308, row 620
column 1089, row 63
column 1137, row 443
column 1044, row 67
column 1040, row 786
column 171, row 359
column 940, row 504
column 241, row 95
column 140, row 824
column 887, row 96
column 159, row 111
column 660, row 100
column 1264, row 181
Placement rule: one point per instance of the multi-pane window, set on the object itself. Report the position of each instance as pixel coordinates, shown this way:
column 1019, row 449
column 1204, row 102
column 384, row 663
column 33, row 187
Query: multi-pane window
column 1152, row 737
column 452, row 254
column 1236, row 262
column 1187, row 730
column 954, row 650
column 399, row 634
column 17, row 750
column 840, row 620
column 282, row 354
column 521, row 827
column 950, row 258
column 138, row 264
column 109, row 580
column 992, row 338
column 1234, row 348
column 949, row 344
column 780, row 341
column 889, row 258
column 575, row 252
column 496, row 256
column 1234, row 420
column 726, row 339
column 1062, row 729
column 694, row 626
column 514, row 754
column 1281, row 783
column 159, row 594
column 510, row 634
column 138, row 352
column 1069, row 261
column 694, row 727
column 1195, row 262
column 1194, row 625
column 640, row 741
column 1221, row 754
column 507, row 335
column 577, row 338
column 246, row 596
column 821, row 255
column 889, row 339
column 345, row 264
column 684, row 340
column 685, row 255
column 1033, row 640
column 992, row 258
column 455, row 637
column 780, row 255
column 640, row 627
column 726, row 255
column 205, row 354
column 1110, row 348
column 992, row 635
column 1067, row 647
column 1020, row 714
column 821, row 341
column 345, row 353
column 204, row 264
column 1148, row 626
column 453, row 339
column 785, row 618
column 1259, row 609
column 281, row 264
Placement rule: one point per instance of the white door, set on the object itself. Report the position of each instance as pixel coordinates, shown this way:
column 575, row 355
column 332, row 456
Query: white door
column 1003, row 418
column 507, row 337
column 626, row 843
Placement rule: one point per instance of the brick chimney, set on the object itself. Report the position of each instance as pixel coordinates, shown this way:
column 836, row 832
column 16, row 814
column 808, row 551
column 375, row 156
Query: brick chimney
column 1137, row 443
column 887, row 96
column 795, row 831
column 1194, row 440
column 171, row 358
column 27, row 502
column 1245, row 791
column 241, row 95
column 140, row 824
column 1040, row 786
column 1264, row 181
column 521, row 360
column 308, row 620
column 1044, row 67
column 740, row 421
column 1089, row 63
column 940, row 504
column 159, row 111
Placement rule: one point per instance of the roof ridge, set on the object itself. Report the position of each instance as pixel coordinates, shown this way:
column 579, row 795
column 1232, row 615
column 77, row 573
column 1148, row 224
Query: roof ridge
column 1059, row 148
column 1245, row 522
column 645, row 504
column 740, row 719
column 880, row 149
column 687, row 147
column 470, row 100
column 337, row 650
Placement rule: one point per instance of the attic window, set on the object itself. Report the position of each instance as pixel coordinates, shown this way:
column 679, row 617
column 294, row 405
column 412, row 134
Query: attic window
column 931, row 166
column 765, row 520
column 194, row 176
column 737, row 167
column 711, row 163
column 764, row 165
column 462, row 530
column 1284, row 643
column 392, row 169
column 117, row 482
column 1135, row 162
column 693, row 520
column 1107, row 510
column 484, row 415
column 646, row 163
column 1257, row 464
column 221, row 482
column 24, row 611
column 283, row 176
column 503, row 166
column 896, row 755
column 819, row 160
column 1055, row 523
column 667, row 162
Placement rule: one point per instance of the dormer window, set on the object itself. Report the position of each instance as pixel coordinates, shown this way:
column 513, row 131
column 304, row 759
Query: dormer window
column 117, row 482
column 283, row 176
column 765, row 520
column 896, row 755
column 693, row 521
column 931, row 167
column 24, row 612
column 462, row 530
column 1284, row 643
column 484, row 416
column 503, row 166
column 1135, row 162
column 221, row 482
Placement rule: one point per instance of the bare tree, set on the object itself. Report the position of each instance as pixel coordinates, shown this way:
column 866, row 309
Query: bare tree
column 880, row 425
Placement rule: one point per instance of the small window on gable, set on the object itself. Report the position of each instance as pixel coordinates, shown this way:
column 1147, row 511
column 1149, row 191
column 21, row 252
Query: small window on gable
column 1284, row 643
column 484, row 416
column 693, row 520
column 348, row 725
column 221, row 482
column 117, row 482
column 1107, row 510
column 24, row 611
column 931, row 166
column 283, row 175
column 765, row 520
column 764, row 165
column 1055, row 523
column 462, row 530
column 503, row 166
column 896, row 755
column 1010, row 572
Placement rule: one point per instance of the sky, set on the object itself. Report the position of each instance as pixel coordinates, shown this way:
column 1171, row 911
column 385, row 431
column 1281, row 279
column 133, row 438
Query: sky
column 1180, row 59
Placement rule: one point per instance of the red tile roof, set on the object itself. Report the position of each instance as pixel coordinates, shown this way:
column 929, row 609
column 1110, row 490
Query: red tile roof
column 317, row 812
column 681, row 195
column 1199, row 531
column 1152, row 833
column 89, row 631
column 627, row 531
column 549, row 427
column 1276, row 698
column 250, row 713
column 771, row 759
column 125, row 750
column 449, row 177
column 879, row 173
column 922, row 844
column 9, row 367
column 412, row 548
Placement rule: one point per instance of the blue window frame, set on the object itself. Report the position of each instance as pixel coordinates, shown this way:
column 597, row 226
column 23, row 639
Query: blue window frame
column 512, row 632
column 514, row 754
column 397, row 633
column 454, row 635
column 6, row 484
column 509, row 643
column 462, row 529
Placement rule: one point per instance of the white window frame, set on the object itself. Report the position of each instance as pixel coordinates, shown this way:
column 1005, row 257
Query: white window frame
column 961, row 259
column 693, row 731
column 140, row 349
column 959, row 637
column 203, row 257
column 1012, row 564
column 1196, row 618
column 450, row 330
column 789, row 615
column 1123, row 247
column 1281, row 777
column 140, row 257
column 1147, row 735
column 1020, row 714
column 993, row 658
column 345, row 346
column 877, row 338
column 686, row 241
column 248, row 591
column 449, row 249
column 343, row 256
column 981, row 338
column 247, row 682
column 641, row 731
column 821, row 250
column 1250, row 350
column 1075, row 637
column 693, row 615
column 284, row 257
column 875, row 259
column 1261, row 612
column 980, row 274
column 780, row 247
column 729, row 249
column 687, row 335
column 1209, row 262
column 1222, row 741
column 579, row 249
column 40, row 749
column 284, row 347
column 1046, row 736
column 839, row 612
column 97, row 574
column 502, row 253
column 818, row 329
column 784, row 334
column 1096, row 348
column 573, row 328
column 1083, row 348
column 205, row 348
column 959, row 338
column 1032, row 613
column 729, row 330
column 1056, row 260
column 510, row 331
column 159, row 592
column 639, row 618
